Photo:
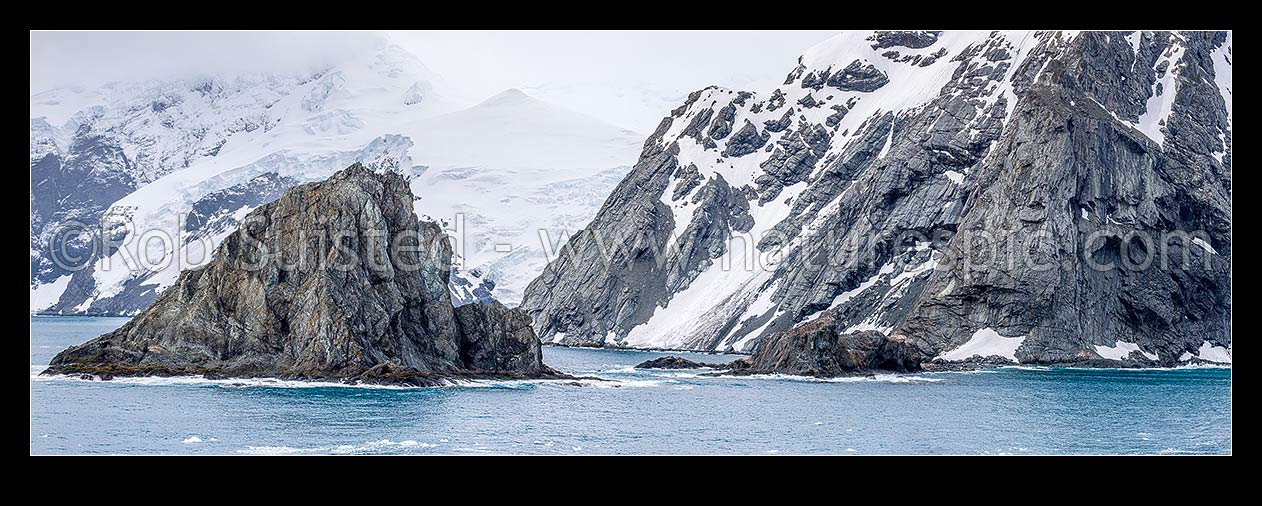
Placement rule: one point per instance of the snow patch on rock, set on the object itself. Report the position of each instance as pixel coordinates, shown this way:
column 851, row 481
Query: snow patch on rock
column 1209, row 352
column 1120, row 350
column 985, row 343
column 47, row 294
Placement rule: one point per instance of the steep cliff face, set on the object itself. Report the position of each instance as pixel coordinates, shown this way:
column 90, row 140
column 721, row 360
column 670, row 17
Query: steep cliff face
column 337, row 279
column 1123, row 239
column 871, row 188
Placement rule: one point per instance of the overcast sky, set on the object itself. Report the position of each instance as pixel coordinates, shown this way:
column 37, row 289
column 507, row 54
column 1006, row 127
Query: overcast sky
column 629, row 78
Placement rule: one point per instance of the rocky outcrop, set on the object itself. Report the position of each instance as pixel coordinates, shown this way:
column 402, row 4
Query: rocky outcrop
column 671, row 362
column 746, row 141
column 212, row 214
column 903, row 38
column 334, row 280
column 858, row 76
column 494, row 337
column 1053, row 197
column 817, row 349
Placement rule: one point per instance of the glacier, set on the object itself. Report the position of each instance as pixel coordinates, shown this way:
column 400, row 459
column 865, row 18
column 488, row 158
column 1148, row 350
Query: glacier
column 128, row 162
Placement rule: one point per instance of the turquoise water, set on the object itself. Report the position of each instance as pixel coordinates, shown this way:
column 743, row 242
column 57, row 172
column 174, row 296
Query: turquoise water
column 1005, row 411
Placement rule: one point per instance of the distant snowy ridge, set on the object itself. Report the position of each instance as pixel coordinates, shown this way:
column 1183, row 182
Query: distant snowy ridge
column 143, row 156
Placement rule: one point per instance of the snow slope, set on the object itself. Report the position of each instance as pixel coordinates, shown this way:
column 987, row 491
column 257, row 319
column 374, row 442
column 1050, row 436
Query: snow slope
column 910, row 86
column 512, row 177
column 183, row 141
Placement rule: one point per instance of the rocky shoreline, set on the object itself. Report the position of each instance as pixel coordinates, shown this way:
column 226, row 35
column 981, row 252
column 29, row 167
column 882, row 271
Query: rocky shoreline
column 384, row 376
column 743, row 367
column 866, row 354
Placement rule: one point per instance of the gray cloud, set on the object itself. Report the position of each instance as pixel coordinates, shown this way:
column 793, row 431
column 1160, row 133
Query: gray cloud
column 92, row 58
column 629, row 78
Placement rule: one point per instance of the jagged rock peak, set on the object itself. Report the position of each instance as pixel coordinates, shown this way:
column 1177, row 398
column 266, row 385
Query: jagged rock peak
column 335, row 279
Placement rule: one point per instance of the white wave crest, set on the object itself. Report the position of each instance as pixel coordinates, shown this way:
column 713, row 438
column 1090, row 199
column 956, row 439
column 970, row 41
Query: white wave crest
column 370, row 447
column 620, row 370
column 879, row 378
column 276, row 383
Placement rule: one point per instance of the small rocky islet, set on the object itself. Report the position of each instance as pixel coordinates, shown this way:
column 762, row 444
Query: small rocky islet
column 673, row 362
column 334, row 281
column 815, row 351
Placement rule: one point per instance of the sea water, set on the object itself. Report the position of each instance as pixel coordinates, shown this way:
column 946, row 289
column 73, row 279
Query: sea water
column 1000, row 411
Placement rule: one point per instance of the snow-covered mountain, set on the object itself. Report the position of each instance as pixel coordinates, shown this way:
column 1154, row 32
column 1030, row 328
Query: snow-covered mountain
column 848, row 197
column 512, row 177
column 133, row 182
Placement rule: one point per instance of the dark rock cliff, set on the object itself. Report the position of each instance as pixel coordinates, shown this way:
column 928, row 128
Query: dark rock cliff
column 1034, row 197
column 336, row 279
